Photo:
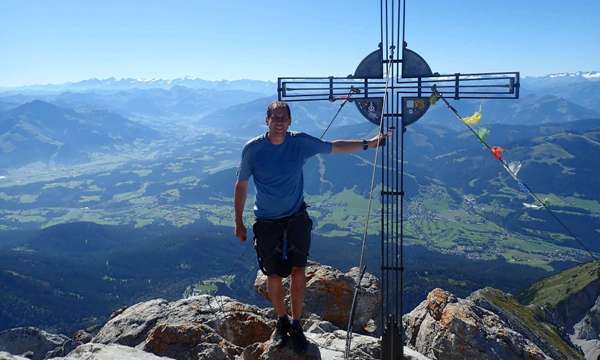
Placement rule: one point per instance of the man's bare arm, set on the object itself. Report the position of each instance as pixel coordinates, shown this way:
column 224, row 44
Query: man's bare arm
column 239, row 201
column 349, row 146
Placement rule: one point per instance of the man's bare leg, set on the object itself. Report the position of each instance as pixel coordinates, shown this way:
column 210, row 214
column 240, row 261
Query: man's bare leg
column 297, row 292
column 276, row 294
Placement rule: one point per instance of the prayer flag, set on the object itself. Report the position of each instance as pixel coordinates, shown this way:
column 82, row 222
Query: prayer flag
column 514, row 167
column 497, row 151
column 473, row 119
column 482, row 133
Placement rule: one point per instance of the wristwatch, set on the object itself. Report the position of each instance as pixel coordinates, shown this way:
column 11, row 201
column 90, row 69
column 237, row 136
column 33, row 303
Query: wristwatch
column 365, row 144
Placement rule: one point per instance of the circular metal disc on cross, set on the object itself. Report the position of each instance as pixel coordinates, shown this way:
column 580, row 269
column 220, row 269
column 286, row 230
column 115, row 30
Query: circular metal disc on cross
column 413, row 66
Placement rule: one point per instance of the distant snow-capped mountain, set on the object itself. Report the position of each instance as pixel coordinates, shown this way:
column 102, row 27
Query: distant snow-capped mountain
column 592, row 75
column 114, row 84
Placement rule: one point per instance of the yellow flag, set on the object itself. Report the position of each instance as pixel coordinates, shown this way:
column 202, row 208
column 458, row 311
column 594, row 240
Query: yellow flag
column 473, row 119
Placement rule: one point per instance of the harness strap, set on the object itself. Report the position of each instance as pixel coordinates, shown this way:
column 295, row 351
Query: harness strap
column 284, row 223
column 284, row 251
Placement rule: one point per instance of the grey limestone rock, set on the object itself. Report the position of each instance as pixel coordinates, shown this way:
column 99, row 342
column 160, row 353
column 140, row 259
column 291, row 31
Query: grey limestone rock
column 93, row 351
column 183, row 328
column 586, row 333
column 30, row 339
column 589, row 327
column 8, row 356
column 446, row 327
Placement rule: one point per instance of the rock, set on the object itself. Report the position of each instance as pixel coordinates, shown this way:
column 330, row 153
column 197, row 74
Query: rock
column 92, row 351
column 131, row 326
column 7, row 356
column 329, row 294
column 586, row 333
column 177, row 328
column 244, row 328
column 446, row 327
column 590, row 348
column 589, row 327
column 264, row 351
column 327, row 342
column 82, row 336
column 186, row 341
column 30, row 339
column 64, row 349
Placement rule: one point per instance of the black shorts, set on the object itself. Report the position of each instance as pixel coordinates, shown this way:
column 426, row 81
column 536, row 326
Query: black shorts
column 281, row 244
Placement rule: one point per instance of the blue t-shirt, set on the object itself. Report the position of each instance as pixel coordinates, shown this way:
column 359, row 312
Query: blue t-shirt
column 277, row 172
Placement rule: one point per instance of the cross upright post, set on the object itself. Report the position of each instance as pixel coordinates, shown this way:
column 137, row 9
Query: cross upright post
column 392, row 87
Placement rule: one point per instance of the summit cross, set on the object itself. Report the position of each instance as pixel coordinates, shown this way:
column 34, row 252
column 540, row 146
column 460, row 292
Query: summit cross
column 392, row 87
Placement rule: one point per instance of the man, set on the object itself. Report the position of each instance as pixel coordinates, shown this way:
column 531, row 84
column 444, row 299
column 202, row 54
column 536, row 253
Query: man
column 282, row 228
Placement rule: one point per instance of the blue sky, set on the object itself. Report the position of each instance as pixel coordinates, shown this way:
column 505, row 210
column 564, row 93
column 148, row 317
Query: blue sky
column 65, row 40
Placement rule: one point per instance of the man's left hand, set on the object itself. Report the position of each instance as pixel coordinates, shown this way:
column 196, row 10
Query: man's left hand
column 379, row 139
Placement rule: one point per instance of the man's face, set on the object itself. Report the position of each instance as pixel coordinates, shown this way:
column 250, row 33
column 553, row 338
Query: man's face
column 278, row 122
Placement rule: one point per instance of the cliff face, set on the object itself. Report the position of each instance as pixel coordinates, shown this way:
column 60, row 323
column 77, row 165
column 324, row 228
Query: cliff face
column 586, row 333
column 527, row 320
column 566, row 296
column 571, row 300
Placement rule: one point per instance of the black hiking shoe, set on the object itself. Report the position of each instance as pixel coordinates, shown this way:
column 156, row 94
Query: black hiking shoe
column 280, row 337
column 299, row 342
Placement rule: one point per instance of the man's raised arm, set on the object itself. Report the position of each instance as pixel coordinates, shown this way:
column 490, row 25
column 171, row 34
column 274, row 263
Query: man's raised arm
column 349, row 146
column 239, row 196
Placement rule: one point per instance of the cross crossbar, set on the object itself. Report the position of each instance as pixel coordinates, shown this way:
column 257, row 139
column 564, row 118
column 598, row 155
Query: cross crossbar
column 498, row 85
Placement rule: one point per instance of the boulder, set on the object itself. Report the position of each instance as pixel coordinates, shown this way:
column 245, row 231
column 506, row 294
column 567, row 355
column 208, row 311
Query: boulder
column 446, row 327
column 30, row 339
column 92, row 351
column 187, row 341
column 216, row 325
column 329, row 294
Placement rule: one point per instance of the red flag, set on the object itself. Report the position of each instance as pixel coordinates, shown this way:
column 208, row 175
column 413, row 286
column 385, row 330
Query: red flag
column 497, row 151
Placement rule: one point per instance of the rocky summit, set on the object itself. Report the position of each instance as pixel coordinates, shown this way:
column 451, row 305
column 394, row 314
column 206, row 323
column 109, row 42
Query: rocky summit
column 489, row 324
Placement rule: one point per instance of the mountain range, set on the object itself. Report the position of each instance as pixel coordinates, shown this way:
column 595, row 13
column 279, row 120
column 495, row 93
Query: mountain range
column 42, row 132
column 113, row 84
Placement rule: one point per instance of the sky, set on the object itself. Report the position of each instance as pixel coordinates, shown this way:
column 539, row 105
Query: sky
column 70, row 40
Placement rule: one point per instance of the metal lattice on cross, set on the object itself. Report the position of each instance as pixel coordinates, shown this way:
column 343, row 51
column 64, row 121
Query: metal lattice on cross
column 392, row 87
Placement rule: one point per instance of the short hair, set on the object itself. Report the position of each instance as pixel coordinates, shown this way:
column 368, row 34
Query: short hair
column 278, row 105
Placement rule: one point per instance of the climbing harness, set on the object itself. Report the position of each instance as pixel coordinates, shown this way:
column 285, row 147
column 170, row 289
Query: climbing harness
column 283, row 247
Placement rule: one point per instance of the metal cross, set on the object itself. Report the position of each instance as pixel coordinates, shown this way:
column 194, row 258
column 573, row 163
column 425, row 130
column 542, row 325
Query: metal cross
column 391, row 87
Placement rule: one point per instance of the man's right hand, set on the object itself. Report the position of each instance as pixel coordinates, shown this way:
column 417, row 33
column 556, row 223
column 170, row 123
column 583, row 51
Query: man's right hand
column 240, row 232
